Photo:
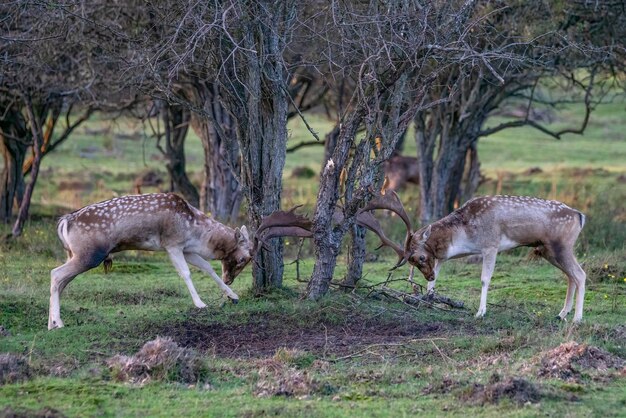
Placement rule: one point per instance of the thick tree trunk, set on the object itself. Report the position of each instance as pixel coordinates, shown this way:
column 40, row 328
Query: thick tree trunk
column 37, row 133
column 445, row 180
column 176, row 121
column 14, row 144
column 326, row 236
column 425, row 141
column 262, row 133
column 220, row 192
column 11, row 178
column 471, row 177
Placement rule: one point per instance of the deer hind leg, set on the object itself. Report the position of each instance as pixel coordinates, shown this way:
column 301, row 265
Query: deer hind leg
column 60, row 278
column 562, row 257
column 489, row 263
column 577, row 275
column 178, row 260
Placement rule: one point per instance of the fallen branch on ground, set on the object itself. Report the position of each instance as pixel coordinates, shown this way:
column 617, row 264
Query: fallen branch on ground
column 416, row 299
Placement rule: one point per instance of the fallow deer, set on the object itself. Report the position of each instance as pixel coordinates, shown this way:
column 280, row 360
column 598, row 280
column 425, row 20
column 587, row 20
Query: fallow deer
column 490, row 224
column 152, row 222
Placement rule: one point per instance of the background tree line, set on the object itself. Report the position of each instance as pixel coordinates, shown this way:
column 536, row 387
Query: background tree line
column 235, row 72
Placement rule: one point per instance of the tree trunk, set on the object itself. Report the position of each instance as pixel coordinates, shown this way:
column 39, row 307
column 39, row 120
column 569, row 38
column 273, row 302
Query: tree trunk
column 14, row 144
column 220, row 193
column 425, row 141
column 326, row 236
column 37, row 133
column 11, row 179
column 357, row 256
column 176, row 124
column 262, row 132
column 330, row 141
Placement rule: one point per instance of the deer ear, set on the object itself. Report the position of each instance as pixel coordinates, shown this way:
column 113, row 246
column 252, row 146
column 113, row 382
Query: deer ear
column 426, row 233
column 238, row 235
column 244, row 233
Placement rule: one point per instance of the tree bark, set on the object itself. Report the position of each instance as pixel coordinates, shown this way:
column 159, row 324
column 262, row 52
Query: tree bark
column 326, row 236
column 11, row 178
column 262, row 132
column 176, row 121
column 37, row 133
column 357, row 256
column 220, row 192
column 14, row 144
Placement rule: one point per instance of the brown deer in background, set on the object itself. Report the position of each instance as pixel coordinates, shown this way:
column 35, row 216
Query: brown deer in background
column 400, row 170
column 490, row 224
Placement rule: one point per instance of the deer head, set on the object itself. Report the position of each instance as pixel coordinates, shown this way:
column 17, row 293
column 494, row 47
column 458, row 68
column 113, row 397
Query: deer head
column 239, row 257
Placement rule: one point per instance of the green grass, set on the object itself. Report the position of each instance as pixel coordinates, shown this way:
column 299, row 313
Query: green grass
column 361, row 356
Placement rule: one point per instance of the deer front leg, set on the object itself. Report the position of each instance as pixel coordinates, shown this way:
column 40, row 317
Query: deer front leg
column 489, row 262
column 430, row 287
column 178, row 260
column 202, row 264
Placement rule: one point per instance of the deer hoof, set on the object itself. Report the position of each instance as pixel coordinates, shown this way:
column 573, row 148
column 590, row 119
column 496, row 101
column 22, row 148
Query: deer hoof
column 234, row 301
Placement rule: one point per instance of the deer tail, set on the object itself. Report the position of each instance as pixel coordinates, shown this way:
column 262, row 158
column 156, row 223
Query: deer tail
column 62, row 232
column 582, row 219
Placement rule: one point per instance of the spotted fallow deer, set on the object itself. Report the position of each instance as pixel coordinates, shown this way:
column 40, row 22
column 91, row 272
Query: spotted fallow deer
column 487, row 225
column 152, row 222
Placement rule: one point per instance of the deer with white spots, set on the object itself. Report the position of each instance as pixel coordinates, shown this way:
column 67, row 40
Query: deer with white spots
column 490, row 224
column 152, row 222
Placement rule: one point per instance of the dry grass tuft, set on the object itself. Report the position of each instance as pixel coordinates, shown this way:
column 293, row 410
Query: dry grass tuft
column 13, row 368
column 276, row 379
column 160, row 359
column 571, row 361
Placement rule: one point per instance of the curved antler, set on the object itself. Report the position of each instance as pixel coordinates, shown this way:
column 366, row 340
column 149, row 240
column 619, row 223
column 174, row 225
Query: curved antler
column 390, row 201
column 283, row 224
column 367, row 220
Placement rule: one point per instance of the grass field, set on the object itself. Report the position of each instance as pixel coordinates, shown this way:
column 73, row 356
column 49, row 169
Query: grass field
column 347, row 355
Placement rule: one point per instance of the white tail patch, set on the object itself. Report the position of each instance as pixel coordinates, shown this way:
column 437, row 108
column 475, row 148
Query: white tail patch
column 62, row 232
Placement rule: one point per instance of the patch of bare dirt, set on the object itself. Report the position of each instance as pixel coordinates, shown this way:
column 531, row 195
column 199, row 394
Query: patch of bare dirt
column 518, row 390
column 572, row 362
column 45, row 412
column 160, row 359
column 13, row 368
column 262, row 337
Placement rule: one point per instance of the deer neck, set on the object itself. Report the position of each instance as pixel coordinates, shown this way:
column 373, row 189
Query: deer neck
column 449, row 240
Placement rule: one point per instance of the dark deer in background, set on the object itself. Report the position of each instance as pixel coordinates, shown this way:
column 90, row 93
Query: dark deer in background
column 490, row 224
column 151, row 222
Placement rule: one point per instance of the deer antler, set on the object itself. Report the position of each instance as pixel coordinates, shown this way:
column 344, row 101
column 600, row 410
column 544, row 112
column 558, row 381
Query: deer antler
column 367, row 220
column 389, row 201
column 283, row 224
